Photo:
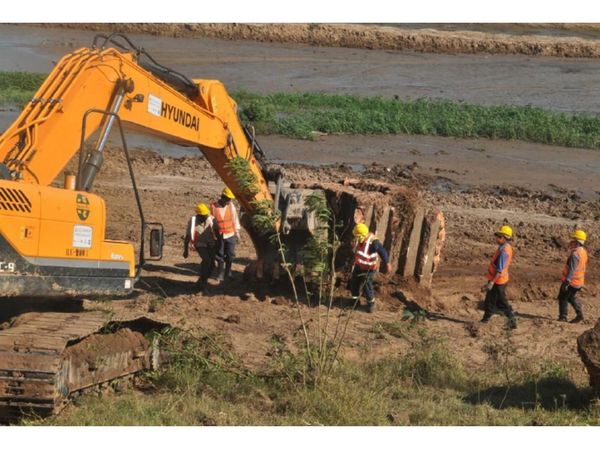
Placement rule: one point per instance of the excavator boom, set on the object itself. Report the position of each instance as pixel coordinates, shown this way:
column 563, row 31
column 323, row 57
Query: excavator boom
column 55, row 236
column 47, row 134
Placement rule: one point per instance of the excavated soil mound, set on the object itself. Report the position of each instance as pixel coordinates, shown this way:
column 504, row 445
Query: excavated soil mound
column 97, row 346
column 368, row 36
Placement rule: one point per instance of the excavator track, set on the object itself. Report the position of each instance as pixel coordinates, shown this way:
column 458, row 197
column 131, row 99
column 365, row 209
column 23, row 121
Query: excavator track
column 47, row 357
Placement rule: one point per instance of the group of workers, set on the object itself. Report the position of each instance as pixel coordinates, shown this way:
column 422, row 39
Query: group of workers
column 572, row 278
column 213, row 233
column 368, row 250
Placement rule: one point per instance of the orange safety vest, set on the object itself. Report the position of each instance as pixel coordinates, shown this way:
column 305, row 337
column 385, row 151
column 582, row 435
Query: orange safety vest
column 362, row 257
column 225, row 217
column 578, row 278
column 503, row 278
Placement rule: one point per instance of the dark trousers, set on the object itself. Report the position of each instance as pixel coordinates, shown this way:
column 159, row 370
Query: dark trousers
column 362, row 278
column 226, row 249
column 496, row 302
column 207, row 263
column 566, row 297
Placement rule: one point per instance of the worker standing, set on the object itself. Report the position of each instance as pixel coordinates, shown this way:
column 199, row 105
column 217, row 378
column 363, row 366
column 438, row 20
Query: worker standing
column 573, row 277
column 201, row 236
column 497, row 276
column 228, row 232
column 367, row 251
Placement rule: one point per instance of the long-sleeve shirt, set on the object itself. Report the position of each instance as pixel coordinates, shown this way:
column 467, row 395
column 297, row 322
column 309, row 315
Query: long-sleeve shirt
column 572, row 264
column 502, row 259
column 378, row 247
column 204, row 232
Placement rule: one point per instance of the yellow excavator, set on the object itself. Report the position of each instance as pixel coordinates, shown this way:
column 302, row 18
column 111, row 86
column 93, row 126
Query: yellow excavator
column 52, row 239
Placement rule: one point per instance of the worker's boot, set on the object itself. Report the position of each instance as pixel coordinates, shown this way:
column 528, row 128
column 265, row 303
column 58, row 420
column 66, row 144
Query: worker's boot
column 371, row 306
column 512, row 323
column 486, row 318
column 220, row 271
column 579, row 313
column 228, row 270
column 201, row 284
column 578, row 318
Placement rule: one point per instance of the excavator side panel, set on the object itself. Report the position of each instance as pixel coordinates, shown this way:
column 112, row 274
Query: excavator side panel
column 52, row 243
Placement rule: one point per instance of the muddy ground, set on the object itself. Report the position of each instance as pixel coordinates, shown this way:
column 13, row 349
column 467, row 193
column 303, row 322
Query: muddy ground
column 254, row 316
column 542, row 191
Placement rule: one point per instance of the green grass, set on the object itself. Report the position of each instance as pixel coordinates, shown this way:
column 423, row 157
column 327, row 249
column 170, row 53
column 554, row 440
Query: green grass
column 205, row 385
column 305, row 115
column 16, row 88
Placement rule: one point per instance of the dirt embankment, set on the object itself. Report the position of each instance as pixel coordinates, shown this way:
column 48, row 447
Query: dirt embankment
column 369, row 37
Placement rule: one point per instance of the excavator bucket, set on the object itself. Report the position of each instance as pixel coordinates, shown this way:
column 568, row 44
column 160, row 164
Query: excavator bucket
column 412, row 232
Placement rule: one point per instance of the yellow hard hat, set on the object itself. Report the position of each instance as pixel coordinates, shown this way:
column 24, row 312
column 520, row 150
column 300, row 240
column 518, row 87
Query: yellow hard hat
column 202, row 209
column 505, row 231
column 360, row 230
column 579, row 235
column 227, row 193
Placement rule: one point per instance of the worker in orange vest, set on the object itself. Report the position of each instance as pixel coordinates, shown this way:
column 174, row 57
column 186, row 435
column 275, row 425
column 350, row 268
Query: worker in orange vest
column 573, row 277
column 201, row 236
column 228, row 232
column 367, row 251
column 497, row 276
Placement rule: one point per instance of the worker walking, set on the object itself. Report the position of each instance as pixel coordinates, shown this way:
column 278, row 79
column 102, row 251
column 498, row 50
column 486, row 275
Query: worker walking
column 573, row 277
column 201, row 236
column 228, row 232
column 367, row 251
column 497, row 276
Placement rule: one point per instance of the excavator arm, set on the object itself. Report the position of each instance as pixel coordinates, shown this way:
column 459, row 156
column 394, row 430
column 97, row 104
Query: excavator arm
column 55, row 237
column 40, row 143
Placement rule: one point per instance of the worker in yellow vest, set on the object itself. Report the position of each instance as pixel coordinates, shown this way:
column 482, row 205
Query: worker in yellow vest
column 573, row 277
column 201, row 237
column 228, row 232
column 497, row 278
column 368, row 250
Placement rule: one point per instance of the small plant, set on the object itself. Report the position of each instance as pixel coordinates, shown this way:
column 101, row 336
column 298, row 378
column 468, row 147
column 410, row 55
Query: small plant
column 17, row 88
column 429, row 363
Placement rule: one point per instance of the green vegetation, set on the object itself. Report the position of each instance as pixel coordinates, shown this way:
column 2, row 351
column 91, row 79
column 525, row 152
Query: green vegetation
column 16, row 88
column 206, row 385
column 305, row 115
